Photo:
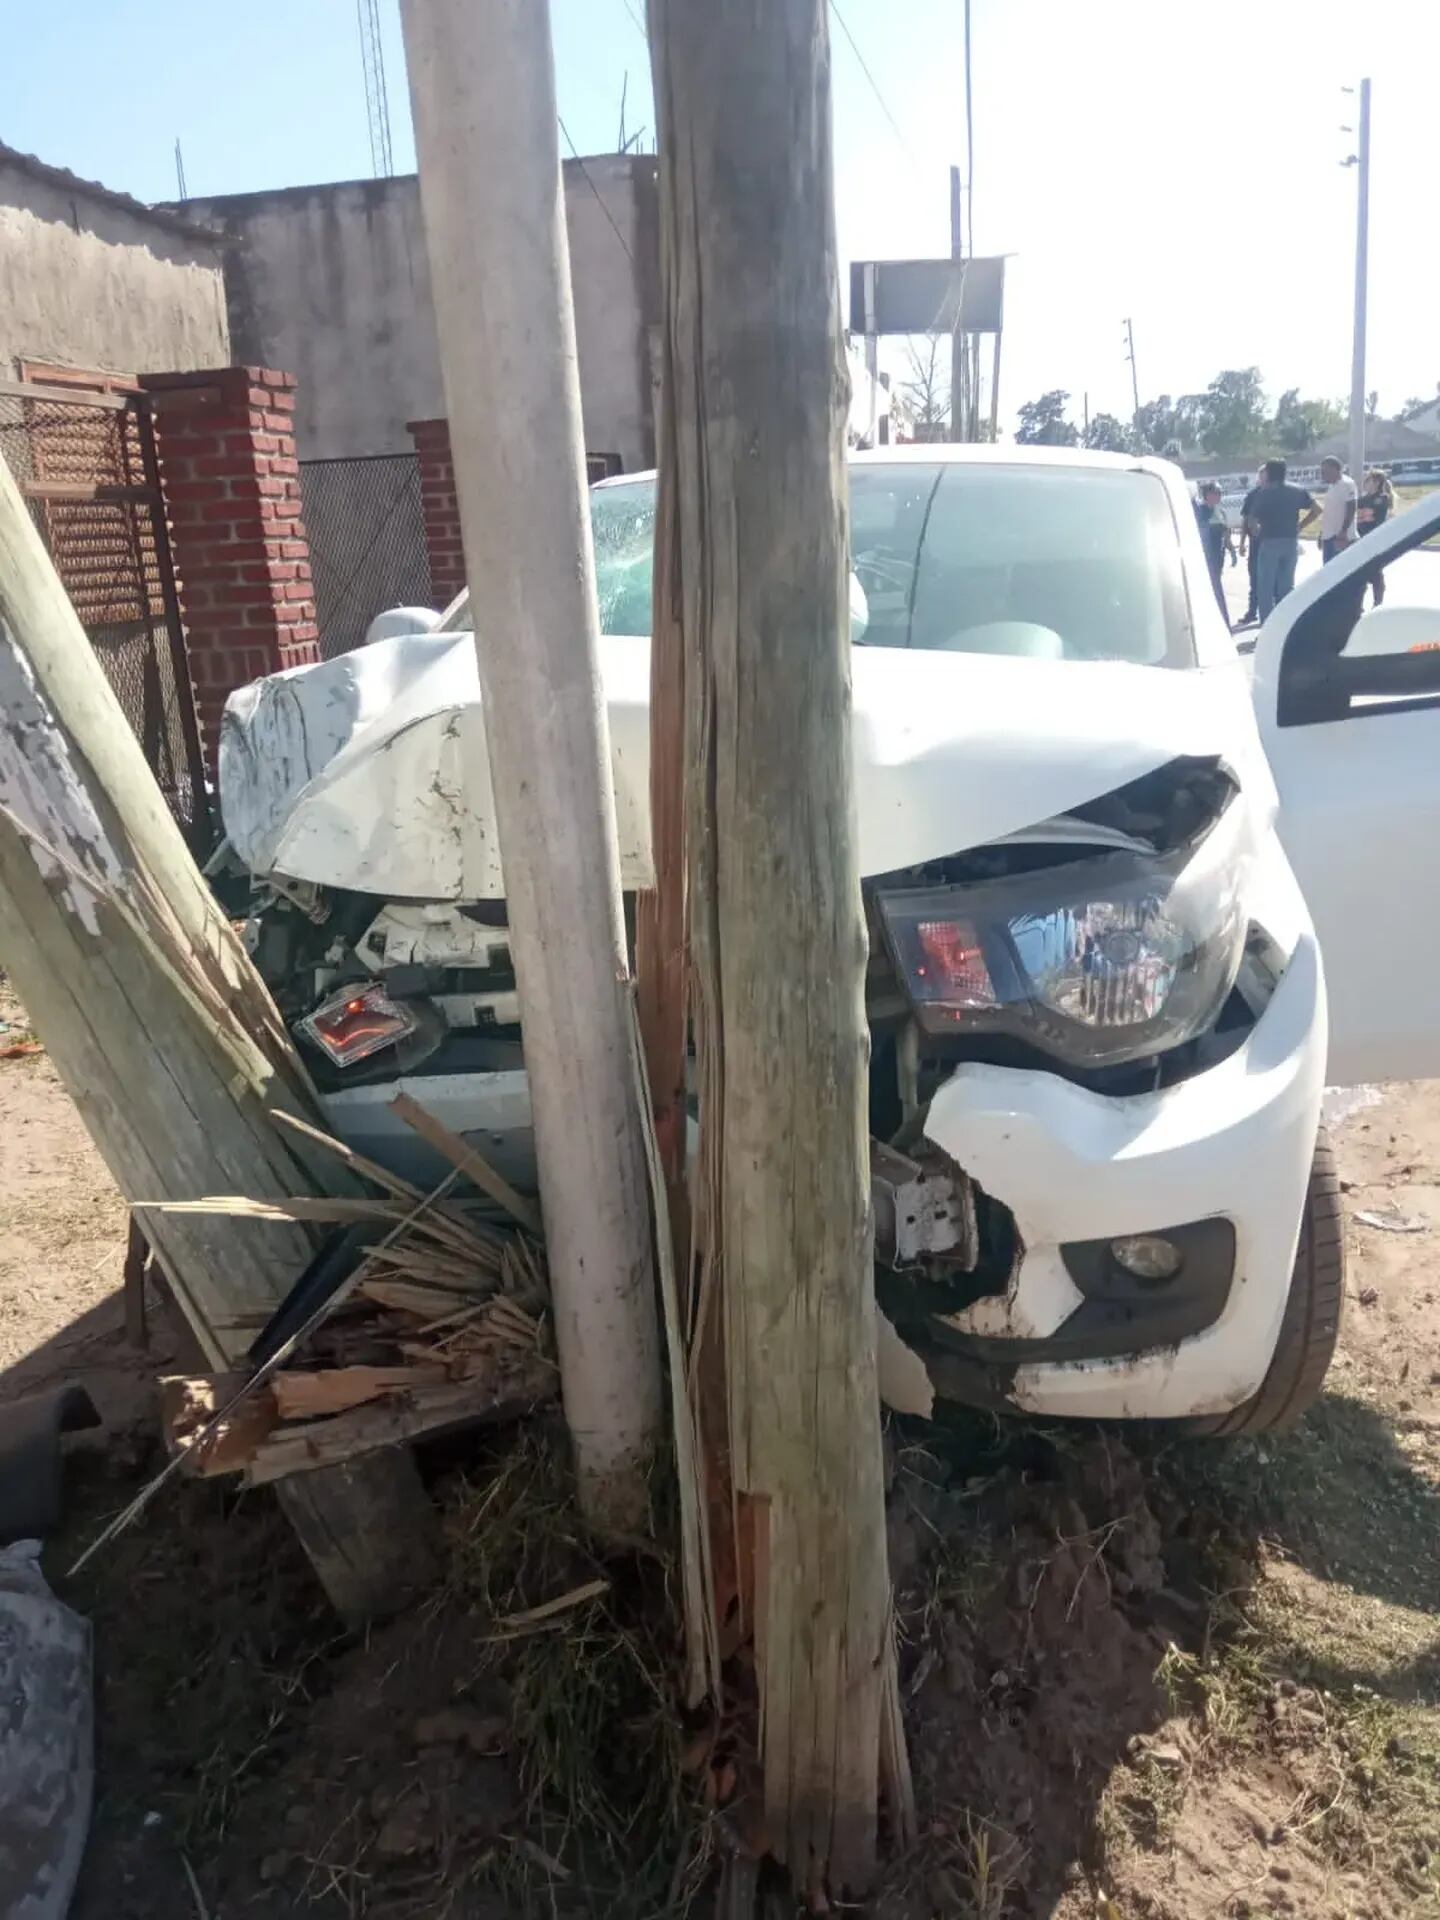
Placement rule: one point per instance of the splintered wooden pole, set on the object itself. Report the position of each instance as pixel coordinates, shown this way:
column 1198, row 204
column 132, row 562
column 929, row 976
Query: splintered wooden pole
column 755, row 429
column 482, row 87
column 163, row 1033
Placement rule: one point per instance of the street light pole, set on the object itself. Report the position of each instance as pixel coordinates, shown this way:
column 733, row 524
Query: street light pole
column 1362, row 245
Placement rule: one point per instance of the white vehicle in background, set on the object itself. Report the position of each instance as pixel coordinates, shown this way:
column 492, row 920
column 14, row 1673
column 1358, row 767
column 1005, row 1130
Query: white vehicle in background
column 1095, row 860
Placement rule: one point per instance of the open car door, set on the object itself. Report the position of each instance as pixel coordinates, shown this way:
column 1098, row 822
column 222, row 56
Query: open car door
column 1348, row 703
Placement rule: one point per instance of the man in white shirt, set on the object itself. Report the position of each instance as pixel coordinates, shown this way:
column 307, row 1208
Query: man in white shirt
column 1337, row 509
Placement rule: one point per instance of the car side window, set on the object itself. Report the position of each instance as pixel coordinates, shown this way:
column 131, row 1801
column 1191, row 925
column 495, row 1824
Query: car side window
column 1340, row 660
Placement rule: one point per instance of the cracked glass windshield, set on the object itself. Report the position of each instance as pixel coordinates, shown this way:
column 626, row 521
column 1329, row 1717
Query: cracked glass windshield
column 1053, row 563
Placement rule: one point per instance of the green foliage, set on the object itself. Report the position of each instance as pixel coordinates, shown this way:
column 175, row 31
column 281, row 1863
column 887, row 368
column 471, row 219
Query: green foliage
column 1235, row 420
column 1043, row 422
column 1299, row 424
column 1155, row 423
column 1230, row 419
column 1107, row 435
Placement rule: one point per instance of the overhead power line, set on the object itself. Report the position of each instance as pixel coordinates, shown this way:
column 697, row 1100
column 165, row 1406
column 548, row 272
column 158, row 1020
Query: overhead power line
column 624, row 245
column 840, row 21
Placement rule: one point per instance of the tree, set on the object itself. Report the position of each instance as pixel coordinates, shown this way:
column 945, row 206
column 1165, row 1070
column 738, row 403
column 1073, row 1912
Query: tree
column 1156, row 425
column 1234, row 419
column 1192, row 419
column 1043, row 422
column 1299, row 424
column 927, row 391
column 1107, row 435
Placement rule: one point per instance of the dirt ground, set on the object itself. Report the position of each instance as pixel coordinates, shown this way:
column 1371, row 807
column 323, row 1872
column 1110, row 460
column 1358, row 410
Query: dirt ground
column 1145, row 1679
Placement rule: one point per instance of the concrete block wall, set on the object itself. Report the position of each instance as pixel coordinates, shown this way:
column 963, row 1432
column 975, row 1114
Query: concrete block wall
column 231, row 484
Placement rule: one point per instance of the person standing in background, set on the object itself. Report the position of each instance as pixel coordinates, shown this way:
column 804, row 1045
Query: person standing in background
column 1215, row 536
column 1250, row 547
column 1337, row 513
column 1374, row 508
column 1278, row 513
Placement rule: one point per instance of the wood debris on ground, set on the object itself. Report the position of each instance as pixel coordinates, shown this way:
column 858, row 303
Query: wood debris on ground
column 445, row 1326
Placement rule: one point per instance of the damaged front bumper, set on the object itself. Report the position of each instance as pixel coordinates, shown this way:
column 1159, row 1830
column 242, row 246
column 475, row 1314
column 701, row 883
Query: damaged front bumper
column 1218, row 1165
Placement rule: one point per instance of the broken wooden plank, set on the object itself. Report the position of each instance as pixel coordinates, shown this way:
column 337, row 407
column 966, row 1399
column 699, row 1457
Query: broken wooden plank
column 314, row 1207
column 413, row 1297
column 188, row 1402
column 312, row 1396
column 426, row 1412
column 467, row 1160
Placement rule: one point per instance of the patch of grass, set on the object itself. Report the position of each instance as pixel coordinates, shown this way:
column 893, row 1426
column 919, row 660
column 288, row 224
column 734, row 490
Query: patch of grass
column 600, row 1746
column 1322, row 1650
column 967, row 1868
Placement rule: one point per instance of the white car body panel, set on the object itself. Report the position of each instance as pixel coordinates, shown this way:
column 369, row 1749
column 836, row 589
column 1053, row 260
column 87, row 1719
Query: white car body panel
column 1074, row 1165
column 349, row 774
column 369, row 774
column 1360, row 822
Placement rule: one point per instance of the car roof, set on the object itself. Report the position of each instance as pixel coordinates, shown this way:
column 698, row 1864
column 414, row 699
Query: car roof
column 949, row 454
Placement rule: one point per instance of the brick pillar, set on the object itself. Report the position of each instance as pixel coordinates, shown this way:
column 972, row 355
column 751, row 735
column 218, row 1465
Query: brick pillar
column 440, row 508
column 226, row 441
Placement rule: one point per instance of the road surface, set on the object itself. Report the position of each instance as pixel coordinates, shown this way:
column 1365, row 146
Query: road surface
column 1413, row 580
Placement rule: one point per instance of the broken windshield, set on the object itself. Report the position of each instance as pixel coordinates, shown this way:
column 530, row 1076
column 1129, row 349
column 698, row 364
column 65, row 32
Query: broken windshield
column 1050, row 562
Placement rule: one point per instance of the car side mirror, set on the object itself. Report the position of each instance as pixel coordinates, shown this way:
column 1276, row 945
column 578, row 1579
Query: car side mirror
column 1386, row 632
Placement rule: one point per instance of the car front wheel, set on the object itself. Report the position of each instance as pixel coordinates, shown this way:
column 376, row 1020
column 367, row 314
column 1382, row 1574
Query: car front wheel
column 1313, row 1311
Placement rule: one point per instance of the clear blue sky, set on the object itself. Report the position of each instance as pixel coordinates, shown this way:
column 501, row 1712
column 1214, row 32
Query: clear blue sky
column 1178, row 164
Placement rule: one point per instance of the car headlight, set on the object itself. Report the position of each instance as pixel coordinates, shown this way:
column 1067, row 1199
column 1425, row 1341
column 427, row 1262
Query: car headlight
column 1097, row 962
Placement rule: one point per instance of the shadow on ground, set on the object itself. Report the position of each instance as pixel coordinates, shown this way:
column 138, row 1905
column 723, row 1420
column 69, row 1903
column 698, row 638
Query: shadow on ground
column 1070, row 1597
column 1058, row 1591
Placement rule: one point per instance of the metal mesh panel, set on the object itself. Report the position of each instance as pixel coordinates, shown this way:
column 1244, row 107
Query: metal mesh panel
column 367, row 542
column 81, row 468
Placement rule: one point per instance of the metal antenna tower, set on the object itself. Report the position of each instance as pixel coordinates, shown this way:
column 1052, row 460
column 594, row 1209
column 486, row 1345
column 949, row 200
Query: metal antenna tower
column 377, row 102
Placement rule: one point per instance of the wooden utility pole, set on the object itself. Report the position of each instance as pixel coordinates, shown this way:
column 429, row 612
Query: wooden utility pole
column 163, row 1033
column 483, row 93
column 754, row 511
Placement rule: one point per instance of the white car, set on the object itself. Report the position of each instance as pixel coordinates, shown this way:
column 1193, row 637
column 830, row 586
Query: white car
column 1096, row 996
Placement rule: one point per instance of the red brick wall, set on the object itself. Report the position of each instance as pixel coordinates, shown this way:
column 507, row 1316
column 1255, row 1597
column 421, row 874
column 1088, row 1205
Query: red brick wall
column 440, row 508
column 226, row 441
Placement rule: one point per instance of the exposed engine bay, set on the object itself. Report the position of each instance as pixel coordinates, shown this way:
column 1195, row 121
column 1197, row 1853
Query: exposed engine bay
column 1064, row 948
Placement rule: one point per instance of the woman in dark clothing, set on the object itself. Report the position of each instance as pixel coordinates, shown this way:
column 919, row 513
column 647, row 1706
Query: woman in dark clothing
column 1375, row 505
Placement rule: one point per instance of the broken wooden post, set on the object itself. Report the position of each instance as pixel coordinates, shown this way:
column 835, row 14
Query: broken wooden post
column 755, row 427
column 159, row 1026
column 482, row 88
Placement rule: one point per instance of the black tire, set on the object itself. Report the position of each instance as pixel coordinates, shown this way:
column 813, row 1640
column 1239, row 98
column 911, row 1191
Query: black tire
column 1313, row 1313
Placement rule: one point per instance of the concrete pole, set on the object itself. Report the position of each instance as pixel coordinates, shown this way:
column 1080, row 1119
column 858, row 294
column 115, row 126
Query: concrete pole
column 1362, row 248
column 482, row 88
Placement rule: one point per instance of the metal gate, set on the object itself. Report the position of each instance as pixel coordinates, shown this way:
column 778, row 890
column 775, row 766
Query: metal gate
column 367, row 542
column 85, row 462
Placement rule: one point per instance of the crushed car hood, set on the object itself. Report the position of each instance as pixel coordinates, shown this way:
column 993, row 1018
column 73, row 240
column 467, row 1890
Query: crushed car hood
column 370, row 772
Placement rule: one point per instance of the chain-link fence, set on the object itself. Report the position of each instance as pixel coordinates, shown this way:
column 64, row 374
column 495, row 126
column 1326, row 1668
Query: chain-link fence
column 85, row 467
column 367, row 542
